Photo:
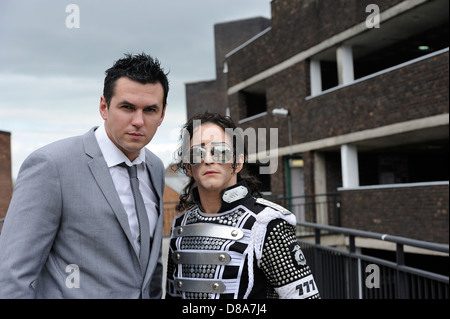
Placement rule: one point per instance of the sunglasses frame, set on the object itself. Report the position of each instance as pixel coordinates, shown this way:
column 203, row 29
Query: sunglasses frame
column 203, row 152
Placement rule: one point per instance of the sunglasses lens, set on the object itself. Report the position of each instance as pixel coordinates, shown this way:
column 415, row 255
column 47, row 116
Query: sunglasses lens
column 222, row 154
column 197, row 155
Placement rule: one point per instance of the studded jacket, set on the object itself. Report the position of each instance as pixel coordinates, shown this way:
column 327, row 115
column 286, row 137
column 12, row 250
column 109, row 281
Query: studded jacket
column 247, row 250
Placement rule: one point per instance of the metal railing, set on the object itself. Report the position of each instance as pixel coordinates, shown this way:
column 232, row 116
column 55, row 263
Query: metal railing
column 346, row 272
column 306, row 208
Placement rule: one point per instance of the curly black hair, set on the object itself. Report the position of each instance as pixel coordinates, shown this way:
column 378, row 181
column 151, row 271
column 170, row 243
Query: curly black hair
column 227, row 124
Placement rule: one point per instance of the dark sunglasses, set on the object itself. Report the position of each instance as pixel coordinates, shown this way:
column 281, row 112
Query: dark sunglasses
column 221, row 154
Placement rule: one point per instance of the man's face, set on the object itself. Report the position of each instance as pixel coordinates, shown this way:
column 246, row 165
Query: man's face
column 209, row 175
column 134, row 114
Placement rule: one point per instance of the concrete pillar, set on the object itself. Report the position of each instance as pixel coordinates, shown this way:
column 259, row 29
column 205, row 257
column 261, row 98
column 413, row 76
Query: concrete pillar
column 344, row 55
column 349, row 164
column 320, row 187
column 316, row 77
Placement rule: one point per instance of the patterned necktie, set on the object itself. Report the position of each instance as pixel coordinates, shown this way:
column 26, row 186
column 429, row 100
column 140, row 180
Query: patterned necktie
column 141, row 212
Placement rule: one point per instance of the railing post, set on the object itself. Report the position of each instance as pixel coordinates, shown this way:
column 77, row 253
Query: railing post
column 318, row 267
column 317, row 236
column 353, row 276
column 402, row 289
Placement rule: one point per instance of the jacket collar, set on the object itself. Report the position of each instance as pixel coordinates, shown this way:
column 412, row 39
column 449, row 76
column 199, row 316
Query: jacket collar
column 231, row 197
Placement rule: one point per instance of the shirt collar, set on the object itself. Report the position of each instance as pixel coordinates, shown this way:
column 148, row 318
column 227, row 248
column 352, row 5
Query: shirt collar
column 112, row 154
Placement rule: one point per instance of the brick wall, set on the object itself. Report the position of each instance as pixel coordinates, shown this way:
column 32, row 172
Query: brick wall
column 422, row 215
column 5, row 173
column 202, row 95
column 296, row 26
column 397, row 96
column 400, row 95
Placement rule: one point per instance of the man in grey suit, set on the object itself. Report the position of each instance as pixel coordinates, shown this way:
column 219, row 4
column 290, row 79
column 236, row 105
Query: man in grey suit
column 72, row 230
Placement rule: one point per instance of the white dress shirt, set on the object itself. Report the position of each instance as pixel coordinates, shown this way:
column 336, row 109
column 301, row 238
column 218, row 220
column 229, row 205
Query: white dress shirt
column 113, row 157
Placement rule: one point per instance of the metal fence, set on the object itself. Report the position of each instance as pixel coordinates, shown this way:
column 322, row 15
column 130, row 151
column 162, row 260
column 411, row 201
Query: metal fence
column 347, row 273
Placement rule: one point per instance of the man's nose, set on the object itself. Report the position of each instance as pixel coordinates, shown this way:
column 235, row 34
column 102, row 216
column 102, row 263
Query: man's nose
column 208, row 157
column 138, row 118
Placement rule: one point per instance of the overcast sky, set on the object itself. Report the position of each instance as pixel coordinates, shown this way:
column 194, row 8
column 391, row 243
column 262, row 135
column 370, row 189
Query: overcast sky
column 51, row 76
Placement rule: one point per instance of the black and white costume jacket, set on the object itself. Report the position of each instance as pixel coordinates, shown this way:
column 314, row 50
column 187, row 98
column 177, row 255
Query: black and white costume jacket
column 247, row 250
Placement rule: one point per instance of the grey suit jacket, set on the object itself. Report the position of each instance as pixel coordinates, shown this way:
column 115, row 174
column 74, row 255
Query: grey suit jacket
column 66, row 233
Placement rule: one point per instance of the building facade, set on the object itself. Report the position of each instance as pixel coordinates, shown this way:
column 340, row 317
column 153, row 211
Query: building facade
column 358, row 95
column 206, row 95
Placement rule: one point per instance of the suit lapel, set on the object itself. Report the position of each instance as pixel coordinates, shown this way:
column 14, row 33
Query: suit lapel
column 104, row 180
column 155, row 178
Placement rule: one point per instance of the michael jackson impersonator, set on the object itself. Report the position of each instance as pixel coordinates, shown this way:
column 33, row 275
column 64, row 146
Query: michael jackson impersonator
column 227, row 243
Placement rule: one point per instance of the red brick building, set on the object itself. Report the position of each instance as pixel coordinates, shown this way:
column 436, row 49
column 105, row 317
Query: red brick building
column 175, row 182
column 364, row 91
column 5, row 174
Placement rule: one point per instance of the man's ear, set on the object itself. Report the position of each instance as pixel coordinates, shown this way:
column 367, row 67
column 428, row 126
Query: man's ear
column 103, row 107
column 163, row 114
column 188, row 169
column 239, row 163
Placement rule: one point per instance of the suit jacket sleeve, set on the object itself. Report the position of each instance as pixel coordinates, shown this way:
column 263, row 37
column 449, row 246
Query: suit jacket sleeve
column 30, row 226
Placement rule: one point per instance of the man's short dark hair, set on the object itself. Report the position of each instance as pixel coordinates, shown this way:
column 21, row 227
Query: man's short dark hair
column 141, row 68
